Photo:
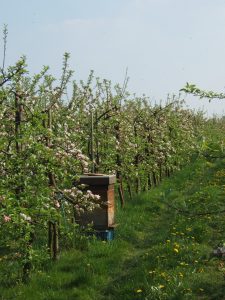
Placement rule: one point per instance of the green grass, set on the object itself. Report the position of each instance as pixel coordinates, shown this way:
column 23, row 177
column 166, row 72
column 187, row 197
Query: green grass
column 162, row 248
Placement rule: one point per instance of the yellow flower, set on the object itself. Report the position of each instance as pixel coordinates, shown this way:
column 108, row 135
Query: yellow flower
column 201, row 270
column 139, row 291
column 176, row 250
column 183, row 263
column 161, row 286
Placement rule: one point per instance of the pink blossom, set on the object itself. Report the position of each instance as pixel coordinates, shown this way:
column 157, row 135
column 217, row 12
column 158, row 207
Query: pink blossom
column 6, row 218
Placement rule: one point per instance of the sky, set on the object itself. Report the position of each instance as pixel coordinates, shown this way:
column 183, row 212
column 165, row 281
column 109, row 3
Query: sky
column 162, row 43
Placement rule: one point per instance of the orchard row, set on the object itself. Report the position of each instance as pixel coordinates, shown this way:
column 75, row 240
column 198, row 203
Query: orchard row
column 53, row 131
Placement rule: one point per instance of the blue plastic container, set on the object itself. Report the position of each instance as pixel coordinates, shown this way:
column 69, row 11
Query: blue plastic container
column 105, row 235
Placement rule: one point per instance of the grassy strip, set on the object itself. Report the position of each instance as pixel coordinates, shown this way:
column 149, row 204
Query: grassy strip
column 162, row 248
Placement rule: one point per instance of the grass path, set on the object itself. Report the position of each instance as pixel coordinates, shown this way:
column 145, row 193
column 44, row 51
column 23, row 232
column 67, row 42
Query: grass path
column 162, row 248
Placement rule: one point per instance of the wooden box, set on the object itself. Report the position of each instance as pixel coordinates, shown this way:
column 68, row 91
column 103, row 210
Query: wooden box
column 104, row 216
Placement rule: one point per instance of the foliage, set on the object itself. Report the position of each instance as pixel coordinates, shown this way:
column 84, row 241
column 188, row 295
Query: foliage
column 194, row 90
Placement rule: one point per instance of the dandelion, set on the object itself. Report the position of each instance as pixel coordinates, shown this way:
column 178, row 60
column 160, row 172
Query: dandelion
column 139, row 291
column 201, row 270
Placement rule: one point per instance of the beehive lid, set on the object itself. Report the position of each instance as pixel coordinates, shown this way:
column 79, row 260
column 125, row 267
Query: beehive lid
column 97, row 179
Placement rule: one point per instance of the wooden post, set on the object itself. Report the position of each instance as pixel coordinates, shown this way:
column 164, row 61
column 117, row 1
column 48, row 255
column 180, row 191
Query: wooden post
column 50, row 238
column 92, row 143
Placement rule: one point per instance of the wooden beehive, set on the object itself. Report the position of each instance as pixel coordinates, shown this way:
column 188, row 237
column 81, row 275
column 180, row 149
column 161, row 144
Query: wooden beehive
column 104, row 216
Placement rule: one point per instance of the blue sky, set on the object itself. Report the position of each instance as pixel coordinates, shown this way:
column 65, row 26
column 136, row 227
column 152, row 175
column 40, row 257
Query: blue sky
column 163, row 43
